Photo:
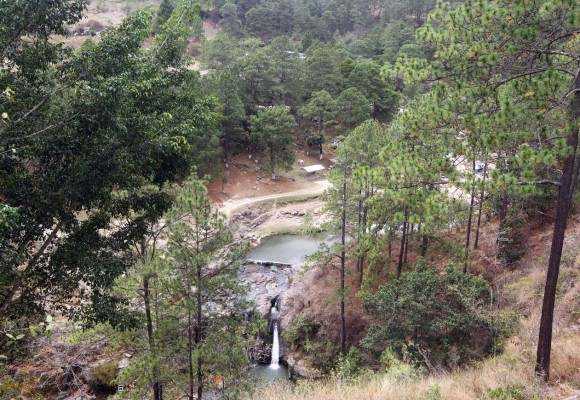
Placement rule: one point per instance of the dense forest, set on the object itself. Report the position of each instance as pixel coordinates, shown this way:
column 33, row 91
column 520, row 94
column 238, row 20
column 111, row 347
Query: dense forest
column 443, row 125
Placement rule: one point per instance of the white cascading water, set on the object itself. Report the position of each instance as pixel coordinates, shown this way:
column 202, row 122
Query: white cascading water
column 275, row 345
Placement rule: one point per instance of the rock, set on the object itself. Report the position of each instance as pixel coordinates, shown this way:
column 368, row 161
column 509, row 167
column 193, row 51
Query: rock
column 299, row 367
column 247, row 214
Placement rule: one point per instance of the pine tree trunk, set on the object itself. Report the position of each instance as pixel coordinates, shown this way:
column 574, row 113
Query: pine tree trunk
column 481, row 195
column 562, row 210
column 424, row 245
column 342, row 265
column 198, row 336
column 190, row 355
column 157, row 394
column 502, row 217
column 402, row 250
column 272, row 163
column 409, row 233
column 390, row 243
column 364, row 226
column 359, row 229
column 469, row 218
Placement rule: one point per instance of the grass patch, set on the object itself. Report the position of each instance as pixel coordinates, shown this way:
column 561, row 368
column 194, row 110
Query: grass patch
column 279, row 230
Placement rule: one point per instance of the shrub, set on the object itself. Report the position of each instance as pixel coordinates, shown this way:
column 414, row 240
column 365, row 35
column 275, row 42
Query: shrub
column 306, row 335
column 396, row 368
column 511, row 241
column 430, row 315
column 434, row 393
column 351, row 365
column 511, row 392
column 103, row 376
column 300, row 331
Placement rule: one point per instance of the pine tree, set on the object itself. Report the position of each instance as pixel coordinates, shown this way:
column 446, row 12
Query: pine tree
column 188, row 292
column 271, row 133
column 514, row 65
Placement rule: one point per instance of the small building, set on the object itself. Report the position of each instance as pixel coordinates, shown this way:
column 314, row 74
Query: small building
column 313, row 168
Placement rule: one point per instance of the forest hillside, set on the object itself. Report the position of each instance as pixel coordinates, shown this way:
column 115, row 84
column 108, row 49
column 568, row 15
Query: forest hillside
column 294, row 199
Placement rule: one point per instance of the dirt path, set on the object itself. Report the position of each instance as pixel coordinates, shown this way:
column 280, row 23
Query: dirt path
column 316, row 189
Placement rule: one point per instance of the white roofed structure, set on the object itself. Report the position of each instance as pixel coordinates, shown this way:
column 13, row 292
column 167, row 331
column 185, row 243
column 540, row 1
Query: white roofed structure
column 313, row 168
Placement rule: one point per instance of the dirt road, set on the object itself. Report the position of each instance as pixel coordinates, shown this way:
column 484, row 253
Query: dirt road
column 316, row 189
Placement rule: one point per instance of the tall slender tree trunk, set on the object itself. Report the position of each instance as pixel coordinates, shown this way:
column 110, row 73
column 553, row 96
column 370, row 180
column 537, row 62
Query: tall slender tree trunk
column 198, row 335
column 424, row 244
column 502, row 217
column 562, row 210
column 481, row 196
column 402, row 250
column 272, row 163
column 342, row 264
column 409, row 233
column 190, row 354
column 364, row 226
column 359, row 230
column 469, row 218
column 390, row 242
column 157, row 391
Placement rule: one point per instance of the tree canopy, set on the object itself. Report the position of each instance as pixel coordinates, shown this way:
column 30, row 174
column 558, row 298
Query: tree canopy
column 85, row 132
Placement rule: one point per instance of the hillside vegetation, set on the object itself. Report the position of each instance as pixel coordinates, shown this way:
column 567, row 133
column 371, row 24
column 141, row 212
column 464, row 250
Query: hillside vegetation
column 450, row 131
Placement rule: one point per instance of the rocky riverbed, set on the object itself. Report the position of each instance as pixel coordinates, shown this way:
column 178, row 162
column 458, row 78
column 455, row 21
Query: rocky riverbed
column 286, row 283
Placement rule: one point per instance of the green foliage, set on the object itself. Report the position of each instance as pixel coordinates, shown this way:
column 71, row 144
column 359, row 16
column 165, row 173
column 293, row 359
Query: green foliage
column 454, row 303
column 366, row 77
column 103, row 376
column 510, row 392
column 301, row 329
column 350, row 366
column 510, row 241
column 352, row 107
column 11, row 388
column 190, row 286
column 396, row 35
column 99, row 125
column 320, row 110
column 271, row 134
column 166, row 8
column 396, row 368
column 434, row 393
column 307, row 336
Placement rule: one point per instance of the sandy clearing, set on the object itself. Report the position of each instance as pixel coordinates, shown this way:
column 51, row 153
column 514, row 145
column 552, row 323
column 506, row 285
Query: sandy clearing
column 316, row 189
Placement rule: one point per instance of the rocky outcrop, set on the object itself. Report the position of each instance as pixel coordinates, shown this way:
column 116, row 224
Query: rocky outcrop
column 298, row 367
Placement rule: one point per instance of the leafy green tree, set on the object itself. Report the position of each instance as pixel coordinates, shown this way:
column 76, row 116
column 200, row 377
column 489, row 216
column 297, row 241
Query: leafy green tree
column 345, row 202
column 410, row 50
column 271, row 18
column 320, row 111
column 271, row 133
column 226, row 87
column 288, row 66
column 366, row 77
column 258, row 80
column 454, row 303
column 230, row 21
column 87, row 132
column 166, row 8
column 352, row 107
column 396, row 34
column 364, row 145
column 222, row 51
column 322, row 68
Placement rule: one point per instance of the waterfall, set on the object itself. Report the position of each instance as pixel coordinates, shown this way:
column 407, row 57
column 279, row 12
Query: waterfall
column 275, row 344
